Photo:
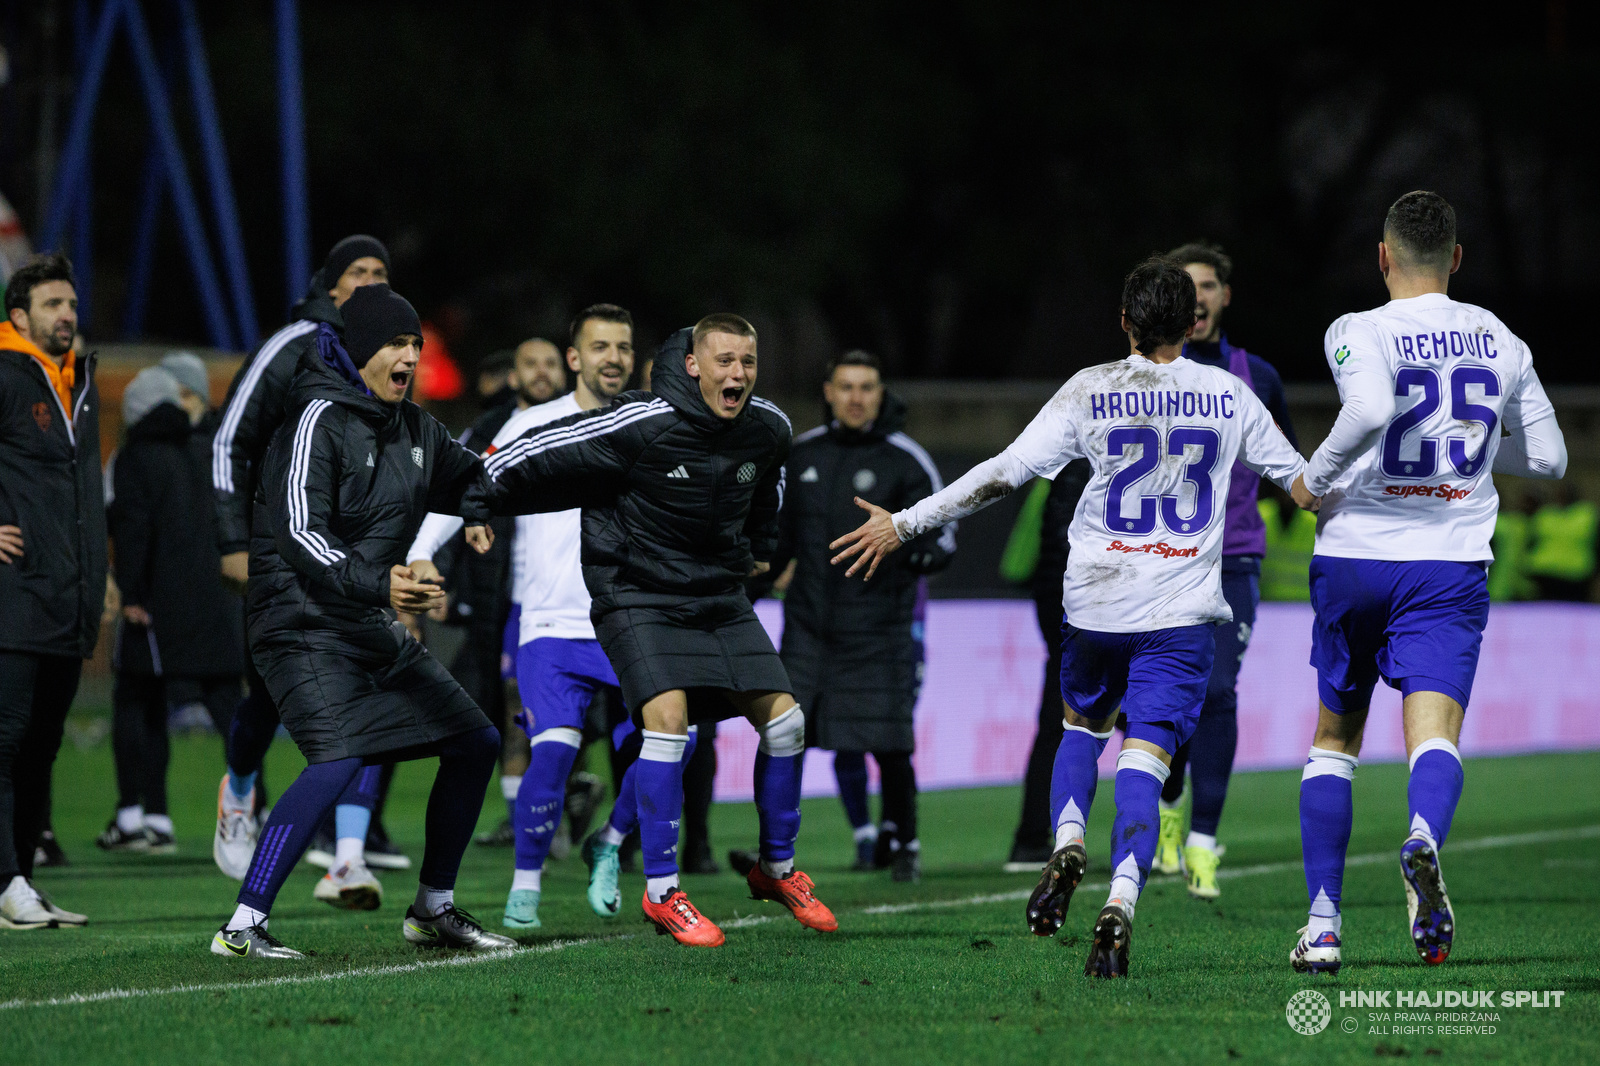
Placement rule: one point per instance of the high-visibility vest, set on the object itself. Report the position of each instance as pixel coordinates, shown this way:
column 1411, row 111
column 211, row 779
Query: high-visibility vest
column 1286, row 568
column 1508, row 574
column 1563, row 541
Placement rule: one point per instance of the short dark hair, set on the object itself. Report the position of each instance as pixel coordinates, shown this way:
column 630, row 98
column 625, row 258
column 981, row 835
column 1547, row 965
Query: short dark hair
column 495, row 362
column 602, row 312
column 854, row 357
column 1423, row 224
column 722, row 322
column 1158, row 297
column 1205, row 252
column 40, row 269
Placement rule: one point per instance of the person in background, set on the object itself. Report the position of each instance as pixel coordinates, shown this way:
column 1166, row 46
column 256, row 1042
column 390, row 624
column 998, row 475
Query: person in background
column 1291, row 536
column 494, row 379
column 1208, row 755
column 1049, row 512
column 1561, row 561
column 178, row 622
column 853, row 649
column 1513, row 536
column 52, row 561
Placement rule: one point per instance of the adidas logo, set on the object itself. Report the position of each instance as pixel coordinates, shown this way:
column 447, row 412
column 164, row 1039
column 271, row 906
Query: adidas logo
column 810, row 474
column 680, row 472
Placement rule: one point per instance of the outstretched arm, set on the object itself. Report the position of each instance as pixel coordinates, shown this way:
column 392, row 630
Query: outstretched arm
column 569, row 463
column 1366, row 388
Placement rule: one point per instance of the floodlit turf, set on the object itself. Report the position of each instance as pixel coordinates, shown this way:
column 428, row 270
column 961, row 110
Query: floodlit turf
column 941, row 974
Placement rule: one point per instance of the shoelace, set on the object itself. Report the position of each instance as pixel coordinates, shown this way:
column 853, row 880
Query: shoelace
column 801, row 882
column 685, row 910
column 461, row 916
column 261, row 933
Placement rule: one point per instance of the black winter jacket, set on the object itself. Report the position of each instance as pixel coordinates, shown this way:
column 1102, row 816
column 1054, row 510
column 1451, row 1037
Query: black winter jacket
column 258, row 400
column 480, row 585
column 1059, row 507
column 51, row 487
column 344, row 487
column 163, row 521
column 678, row 503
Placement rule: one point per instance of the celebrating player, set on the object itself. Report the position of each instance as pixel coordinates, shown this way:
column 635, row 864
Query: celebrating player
column 560, row 665
column 1142, row 588
column 1398, row 578
column 346, row 483
column 681, row 491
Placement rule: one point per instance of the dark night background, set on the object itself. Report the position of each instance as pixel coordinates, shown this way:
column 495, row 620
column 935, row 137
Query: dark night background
column 959, row 187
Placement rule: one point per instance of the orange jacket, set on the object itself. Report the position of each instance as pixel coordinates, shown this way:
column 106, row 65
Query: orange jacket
column 62, row 378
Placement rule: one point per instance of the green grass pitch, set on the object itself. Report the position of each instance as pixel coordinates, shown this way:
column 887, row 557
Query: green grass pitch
column 943, row 971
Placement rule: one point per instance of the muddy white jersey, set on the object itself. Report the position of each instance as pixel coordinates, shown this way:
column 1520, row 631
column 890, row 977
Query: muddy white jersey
column 1147, row 535
column 546, row 572
column 1428, row 385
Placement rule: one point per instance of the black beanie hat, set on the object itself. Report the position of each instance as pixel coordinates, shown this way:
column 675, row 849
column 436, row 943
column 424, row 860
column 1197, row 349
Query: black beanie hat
column 373, row 316
column 347, row 251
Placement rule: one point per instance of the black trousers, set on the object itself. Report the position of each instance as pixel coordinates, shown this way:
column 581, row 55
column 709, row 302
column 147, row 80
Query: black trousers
column 699, row 777
column 898, row 781
column 139, row 744
column 1034, row 827
column 36, row 692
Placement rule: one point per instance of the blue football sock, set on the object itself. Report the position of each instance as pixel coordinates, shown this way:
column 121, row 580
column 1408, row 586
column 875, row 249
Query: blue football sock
column 241, row 784
column 658, row 783
column 850, row 770
column 780, row 759
column 1073, row 782
column 1435, row 787
column 287, row 834
column 351, row 821
column 1211, row 750
column 537, row 812
column 466, row 762
column 1140, row 775
column 1326, row 813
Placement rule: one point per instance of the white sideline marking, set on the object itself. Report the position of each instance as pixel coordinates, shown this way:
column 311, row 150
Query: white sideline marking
column 1587, row 832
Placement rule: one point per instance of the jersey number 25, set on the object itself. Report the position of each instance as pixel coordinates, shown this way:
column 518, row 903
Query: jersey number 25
column 1426, row 464
column 1197, row 473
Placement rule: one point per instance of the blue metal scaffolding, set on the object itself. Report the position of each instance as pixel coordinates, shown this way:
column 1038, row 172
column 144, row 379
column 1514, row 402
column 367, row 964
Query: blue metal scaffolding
column 227, row 303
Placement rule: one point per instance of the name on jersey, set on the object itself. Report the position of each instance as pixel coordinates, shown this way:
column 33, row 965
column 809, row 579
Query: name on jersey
column 1163, row 549
column 1449, row 345
column 1447, row 493
column 1161, row 404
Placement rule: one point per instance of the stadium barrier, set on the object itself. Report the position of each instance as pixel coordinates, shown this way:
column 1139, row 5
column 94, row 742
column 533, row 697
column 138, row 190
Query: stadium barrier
column 1538, row 689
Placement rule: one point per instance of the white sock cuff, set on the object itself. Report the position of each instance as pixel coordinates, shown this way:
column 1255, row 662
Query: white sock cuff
column 509, row 784
column 561, row 734
column 1436, row 744
column 1321, row 762
column 663, row 747
column 1144, row 762
column 1080, row 729
column 786, row 734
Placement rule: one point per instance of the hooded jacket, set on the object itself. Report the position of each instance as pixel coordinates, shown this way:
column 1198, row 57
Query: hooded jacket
column 51, row 487
column 678, row 502
column 162, row 518
column 257, row 401
column 344, row 486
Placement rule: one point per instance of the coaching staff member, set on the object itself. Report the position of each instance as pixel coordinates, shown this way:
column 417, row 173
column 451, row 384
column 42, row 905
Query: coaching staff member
column 52, row 560
column 854, row 648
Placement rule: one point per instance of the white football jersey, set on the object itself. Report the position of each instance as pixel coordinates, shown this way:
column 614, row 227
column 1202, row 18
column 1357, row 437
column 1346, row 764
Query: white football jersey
column 1417, row 484
column 546, row 571
column 1147, row 535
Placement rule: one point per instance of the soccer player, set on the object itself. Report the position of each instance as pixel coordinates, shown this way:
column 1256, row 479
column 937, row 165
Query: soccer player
column 1209, row 753
column 1142, row 589
column 1398, row 578
column 344, row 486
column 257, row 403
column 681, row 491
column 560, row 665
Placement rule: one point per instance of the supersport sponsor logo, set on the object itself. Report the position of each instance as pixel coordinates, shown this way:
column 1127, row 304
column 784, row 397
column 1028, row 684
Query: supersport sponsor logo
column 1163, row 549
column 1447, row 493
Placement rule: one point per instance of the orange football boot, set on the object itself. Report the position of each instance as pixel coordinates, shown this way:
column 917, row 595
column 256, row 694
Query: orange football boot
column 793, row 890
column 675, row 915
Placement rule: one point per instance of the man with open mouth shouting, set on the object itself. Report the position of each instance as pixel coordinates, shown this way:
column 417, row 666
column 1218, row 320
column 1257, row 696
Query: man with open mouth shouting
column 345, row 485
column 681, row 490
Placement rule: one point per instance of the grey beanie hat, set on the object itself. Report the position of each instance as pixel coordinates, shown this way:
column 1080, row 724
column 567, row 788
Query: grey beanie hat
column 149, row 389
column 190, row 370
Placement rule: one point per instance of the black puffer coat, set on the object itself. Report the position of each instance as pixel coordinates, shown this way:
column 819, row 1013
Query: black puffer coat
column 344, row 488
column 51, row 487
column 851, row 647
column 257, row 401
column 162, row 519
column 678, row 503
